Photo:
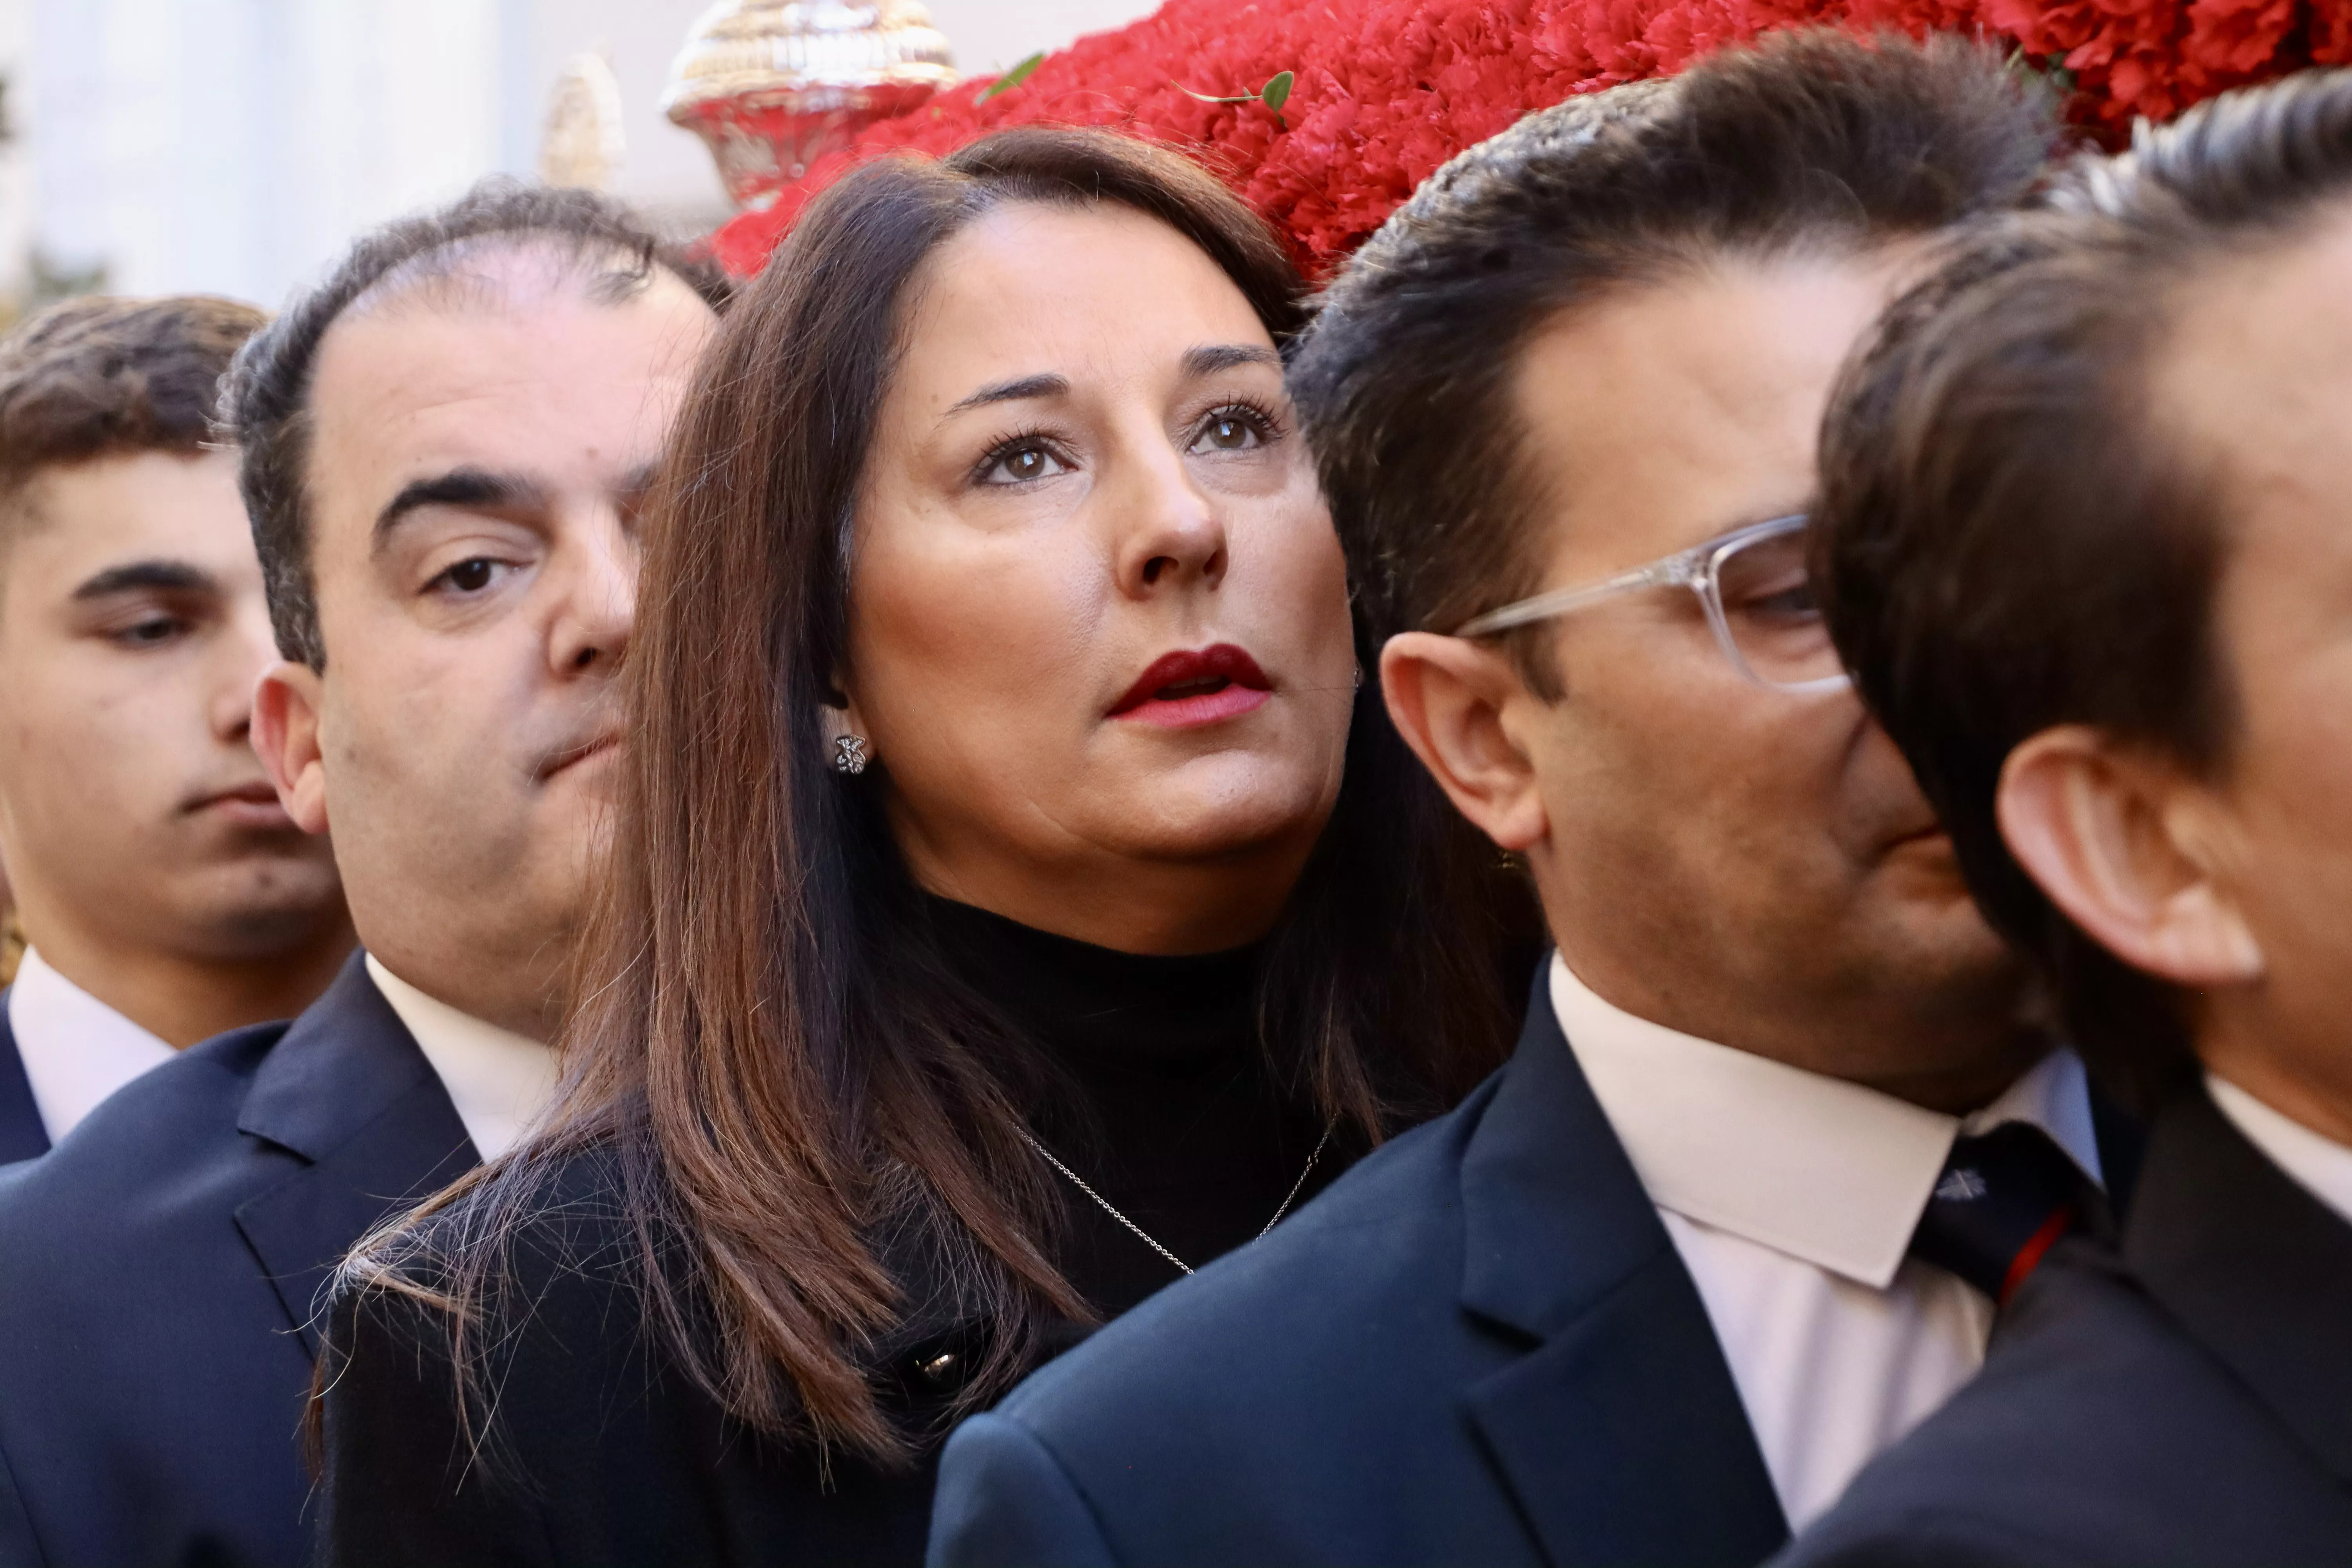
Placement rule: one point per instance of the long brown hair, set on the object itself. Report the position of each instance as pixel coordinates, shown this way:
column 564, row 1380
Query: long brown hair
column 790, row 1093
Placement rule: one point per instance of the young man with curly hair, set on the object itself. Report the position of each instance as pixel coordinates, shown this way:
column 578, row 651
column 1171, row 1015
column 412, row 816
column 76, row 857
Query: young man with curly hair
column 164, row 893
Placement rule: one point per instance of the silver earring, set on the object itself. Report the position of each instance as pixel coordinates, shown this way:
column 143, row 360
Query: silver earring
column 849, row 754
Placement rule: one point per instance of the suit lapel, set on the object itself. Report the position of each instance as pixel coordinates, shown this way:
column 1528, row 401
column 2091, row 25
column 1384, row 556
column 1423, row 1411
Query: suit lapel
column 2122, row 1146
column 1619, row 1434
column 349, row 1092
column 2255, row 1266
column 22, row 1136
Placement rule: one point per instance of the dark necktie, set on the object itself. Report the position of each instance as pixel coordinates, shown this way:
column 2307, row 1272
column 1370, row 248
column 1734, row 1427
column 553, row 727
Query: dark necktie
column 2002, row 1201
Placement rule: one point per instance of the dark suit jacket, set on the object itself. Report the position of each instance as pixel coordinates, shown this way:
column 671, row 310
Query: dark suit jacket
column 2188, row 1402
column 157, row 1274
column 22, row 1136
column 1479, row 1346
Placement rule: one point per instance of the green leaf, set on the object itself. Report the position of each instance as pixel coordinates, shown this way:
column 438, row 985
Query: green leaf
column 1276, row 92
column 1011, row 79
column 2050, row 71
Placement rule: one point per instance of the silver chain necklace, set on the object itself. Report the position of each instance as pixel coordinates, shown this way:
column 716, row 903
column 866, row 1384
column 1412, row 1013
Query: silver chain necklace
column 1144, row 1236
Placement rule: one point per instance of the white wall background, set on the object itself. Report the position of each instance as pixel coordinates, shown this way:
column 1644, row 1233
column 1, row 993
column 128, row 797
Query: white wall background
column 991, row 34
column 235, row 146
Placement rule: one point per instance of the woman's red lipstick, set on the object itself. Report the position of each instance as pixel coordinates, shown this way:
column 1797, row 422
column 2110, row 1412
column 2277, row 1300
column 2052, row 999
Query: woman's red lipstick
column 1185, row 688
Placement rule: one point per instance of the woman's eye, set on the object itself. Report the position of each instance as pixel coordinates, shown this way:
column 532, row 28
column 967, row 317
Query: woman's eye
column 468, row 576
column 1230, row 430
column 1020, row 464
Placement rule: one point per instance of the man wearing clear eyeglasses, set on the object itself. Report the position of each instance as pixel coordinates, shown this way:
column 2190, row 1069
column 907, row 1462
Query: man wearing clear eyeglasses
column 1781, row 1133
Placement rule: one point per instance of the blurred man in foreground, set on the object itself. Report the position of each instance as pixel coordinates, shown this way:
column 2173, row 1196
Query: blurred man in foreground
column 444, row 450
column 163, row 892
column 2088, row 531
column 1660, row 1288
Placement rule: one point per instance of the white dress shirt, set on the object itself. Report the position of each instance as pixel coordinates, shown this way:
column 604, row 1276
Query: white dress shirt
column 1793, row 1198
column 2319, row 1165
column 77, row 1050
column 498, row 1080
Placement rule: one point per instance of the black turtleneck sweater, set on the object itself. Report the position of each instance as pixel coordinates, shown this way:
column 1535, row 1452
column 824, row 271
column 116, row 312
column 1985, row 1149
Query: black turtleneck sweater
column 1171, row 1113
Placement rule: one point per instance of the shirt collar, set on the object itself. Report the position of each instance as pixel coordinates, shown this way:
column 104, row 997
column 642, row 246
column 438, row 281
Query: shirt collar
column 76, row 1049
column 498, row 1080
column 2318, row 1164
column 1822, row 1170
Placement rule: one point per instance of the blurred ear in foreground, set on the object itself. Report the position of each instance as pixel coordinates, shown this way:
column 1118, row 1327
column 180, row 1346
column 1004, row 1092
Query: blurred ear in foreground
column 2128, row 847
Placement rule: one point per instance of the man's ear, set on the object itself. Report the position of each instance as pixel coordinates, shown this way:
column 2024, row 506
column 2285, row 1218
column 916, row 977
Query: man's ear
column 2123, row 843
column 285, row 737
column 1446, row 696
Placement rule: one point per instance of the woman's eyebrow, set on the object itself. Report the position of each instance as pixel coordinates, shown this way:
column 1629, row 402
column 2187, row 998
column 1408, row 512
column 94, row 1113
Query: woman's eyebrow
column 1211, row 358
column 1207, row 359
column 1027, row 386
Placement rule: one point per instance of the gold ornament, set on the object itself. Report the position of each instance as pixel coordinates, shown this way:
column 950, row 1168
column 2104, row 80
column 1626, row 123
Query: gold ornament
column 772, row 85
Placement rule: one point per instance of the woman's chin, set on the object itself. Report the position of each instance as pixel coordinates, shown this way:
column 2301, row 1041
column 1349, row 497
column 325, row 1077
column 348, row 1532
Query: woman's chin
column 1210, row 814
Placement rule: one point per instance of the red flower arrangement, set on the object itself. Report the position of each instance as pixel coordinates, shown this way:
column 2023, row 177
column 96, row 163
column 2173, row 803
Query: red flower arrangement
column 1383, row 91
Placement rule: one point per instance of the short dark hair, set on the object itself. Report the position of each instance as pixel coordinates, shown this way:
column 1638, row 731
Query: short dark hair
column 1810, row 139
column 265, row 401
column 2006, row 542
column 99, row 377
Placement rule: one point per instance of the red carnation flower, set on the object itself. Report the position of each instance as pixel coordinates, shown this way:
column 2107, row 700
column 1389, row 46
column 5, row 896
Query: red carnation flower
column 1383, row 91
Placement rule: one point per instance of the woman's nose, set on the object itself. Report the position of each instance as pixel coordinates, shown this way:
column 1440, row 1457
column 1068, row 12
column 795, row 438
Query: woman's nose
column 1172, row 536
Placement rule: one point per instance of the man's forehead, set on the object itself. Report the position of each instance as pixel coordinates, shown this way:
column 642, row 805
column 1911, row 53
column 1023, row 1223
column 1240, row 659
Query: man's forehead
column 509, row 339
column 79, row 518
column 2265, row 376
column 560, row 383
column 1674, row 410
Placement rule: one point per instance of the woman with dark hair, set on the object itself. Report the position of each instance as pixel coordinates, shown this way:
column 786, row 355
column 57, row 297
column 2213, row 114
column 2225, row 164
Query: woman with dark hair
column 1015, row 899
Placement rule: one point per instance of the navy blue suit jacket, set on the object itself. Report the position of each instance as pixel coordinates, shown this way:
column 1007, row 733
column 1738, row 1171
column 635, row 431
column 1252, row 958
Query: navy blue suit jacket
column 1479, row 1346
column 21, row 1135
column 2185, row 1401
column 158, row 1272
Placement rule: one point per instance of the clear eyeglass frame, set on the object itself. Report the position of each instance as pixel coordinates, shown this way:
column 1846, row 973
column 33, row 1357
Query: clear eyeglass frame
column 1700, row 569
